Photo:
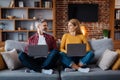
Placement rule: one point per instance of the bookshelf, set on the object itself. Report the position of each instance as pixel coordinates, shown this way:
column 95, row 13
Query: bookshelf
column 115, row 22
column 19, row 15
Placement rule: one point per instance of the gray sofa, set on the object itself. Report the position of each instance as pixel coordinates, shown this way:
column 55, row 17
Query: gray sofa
column 96, row 73
column 20, row 74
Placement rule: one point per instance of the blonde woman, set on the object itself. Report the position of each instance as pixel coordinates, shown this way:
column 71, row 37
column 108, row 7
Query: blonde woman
column 74, row 35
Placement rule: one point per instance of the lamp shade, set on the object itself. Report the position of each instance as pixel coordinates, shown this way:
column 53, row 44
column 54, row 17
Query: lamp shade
column 83, row 30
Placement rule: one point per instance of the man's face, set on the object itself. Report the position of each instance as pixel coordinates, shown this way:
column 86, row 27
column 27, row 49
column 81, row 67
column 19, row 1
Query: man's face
column 43, row 26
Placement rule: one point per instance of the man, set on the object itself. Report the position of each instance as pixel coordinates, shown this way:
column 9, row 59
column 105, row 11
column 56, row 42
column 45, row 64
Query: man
column 40, row 38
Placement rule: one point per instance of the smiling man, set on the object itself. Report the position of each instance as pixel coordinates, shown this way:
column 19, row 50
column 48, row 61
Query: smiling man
column 40, row 38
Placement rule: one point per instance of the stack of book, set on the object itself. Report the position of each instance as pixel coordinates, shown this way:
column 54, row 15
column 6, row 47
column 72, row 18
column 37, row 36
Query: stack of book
column 48, row 4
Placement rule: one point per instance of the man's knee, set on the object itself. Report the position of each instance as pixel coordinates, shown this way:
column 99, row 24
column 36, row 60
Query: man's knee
column 21, row 56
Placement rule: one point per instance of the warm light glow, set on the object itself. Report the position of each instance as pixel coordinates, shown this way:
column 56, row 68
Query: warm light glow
column 83, row 30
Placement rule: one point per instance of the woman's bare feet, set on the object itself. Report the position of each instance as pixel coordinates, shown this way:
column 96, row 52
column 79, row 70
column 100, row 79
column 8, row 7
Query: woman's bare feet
column 80, row 65
column 78, row 68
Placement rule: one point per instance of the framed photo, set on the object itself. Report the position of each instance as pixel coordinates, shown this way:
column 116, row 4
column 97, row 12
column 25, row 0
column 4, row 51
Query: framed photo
column 21, row 4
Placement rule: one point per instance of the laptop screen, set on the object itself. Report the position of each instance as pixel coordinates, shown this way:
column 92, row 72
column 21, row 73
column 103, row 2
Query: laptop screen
column 76, row 49
column 38, row 50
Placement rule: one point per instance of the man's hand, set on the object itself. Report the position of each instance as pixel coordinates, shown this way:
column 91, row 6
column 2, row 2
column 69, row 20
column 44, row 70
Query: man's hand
column 38, row 27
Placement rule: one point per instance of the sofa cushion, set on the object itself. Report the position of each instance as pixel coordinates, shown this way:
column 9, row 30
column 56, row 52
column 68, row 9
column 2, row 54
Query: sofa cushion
column 11, row 44
column 107, row 59
column 20, row 74
column 116, row 65
column 11, row 59
column 2, row 63
column 95, row 73
column 99, row 46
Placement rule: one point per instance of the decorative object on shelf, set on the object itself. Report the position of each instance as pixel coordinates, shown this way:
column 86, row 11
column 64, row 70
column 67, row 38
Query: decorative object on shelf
column 40, row 17
column 21, row 4
column 34, row 17
column 12, row 3
column 37, row 4
column 105, row 33
column 19, row 28
column 22, row 16
column 10, row 17
column 20, row 36
column 117, row 15
column 48, row 4
column 2, row 26
column 32, row 26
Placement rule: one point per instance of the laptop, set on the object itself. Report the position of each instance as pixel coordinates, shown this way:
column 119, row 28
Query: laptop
column 76, row 50
column 38, row 50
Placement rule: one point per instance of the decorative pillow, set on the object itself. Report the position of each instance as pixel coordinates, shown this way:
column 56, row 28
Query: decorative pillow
column 2, row 63
column 11, row 59
column 99, row 46
column 118, row 51
column 116, row 65
column 107, row 59
column 2, row 49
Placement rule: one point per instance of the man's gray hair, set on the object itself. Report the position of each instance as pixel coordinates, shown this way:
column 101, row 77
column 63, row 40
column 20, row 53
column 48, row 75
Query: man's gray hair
column 42, row 20
column 39, row 22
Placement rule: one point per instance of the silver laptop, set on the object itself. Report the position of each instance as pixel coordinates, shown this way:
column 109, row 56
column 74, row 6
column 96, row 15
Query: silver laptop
column 38, row 50
column 76, row 50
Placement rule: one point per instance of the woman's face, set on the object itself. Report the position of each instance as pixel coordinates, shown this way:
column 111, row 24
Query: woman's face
column 71, row 27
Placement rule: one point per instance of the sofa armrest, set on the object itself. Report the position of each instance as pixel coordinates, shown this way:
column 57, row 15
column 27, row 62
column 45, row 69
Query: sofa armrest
column 11, row 44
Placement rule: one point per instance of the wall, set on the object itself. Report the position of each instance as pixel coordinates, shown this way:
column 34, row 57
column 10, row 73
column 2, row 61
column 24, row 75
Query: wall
column 94, row 29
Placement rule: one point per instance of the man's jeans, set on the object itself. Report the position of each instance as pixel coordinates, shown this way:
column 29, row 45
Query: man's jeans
column 37, row 64
column 68, row 61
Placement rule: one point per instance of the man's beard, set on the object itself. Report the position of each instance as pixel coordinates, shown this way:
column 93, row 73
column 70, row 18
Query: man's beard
column 45, row 29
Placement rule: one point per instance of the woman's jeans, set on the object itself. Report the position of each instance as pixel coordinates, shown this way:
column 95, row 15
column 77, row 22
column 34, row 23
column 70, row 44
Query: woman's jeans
column 68, row 61
column 37, row 64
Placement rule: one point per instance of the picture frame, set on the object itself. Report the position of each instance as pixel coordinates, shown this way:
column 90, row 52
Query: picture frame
column 21, row 4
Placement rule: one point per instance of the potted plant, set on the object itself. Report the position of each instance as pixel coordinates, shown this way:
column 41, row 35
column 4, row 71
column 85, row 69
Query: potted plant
column 105, row 33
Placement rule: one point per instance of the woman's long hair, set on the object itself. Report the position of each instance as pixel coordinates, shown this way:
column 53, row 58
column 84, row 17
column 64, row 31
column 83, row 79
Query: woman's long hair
column 75, row 22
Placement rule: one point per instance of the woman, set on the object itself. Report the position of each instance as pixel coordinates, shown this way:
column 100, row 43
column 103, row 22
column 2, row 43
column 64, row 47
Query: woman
column 74, row 35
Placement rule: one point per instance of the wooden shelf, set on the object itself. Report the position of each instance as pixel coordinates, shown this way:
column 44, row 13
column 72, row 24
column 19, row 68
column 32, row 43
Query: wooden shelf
column 15, row 30
column 24, row 18
column 14, row 7
column 115, row 33
column 40, row 8
column 116, row 30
